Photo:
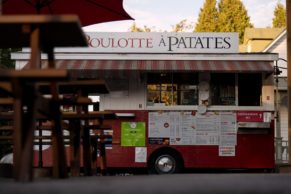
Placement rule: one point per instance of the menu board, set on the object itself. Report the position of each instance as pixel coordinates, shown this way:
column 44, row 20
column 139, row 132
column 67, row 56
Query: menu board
column 228, row 132
column 208, row 127
column 160, row 124
column 191, row 128
column 186, row 128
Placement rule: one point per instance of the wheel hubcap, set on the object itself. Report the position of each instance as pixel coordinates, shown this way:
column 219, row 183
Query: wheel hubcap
column 165, row 164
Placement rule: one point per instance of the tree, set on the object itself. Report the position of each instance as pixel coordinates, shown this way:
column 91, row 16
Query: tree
column 135, row 28
column 279, row 19
column 207, row 21
column 182, row 26
column 5, row 60
column 233, row 17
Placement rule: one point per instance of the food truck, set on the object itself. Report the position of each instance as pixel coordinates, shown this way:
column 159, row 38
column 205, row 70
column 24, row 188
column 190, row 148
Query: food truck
column 183, row 100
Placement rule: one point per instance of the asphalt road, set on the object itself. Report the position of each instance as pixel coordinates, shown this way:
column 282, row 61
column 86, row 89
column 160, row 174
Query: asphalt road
column 231, row 183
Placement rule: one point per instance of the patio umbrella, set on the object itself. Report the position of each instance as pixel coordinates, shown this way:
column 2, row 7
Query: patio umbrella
column 89, row 11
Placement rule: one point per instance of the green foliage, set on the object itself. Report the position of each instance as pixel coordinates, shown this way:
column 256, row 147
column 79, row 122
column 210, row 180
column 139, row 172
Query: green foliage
column 230, row 16
column 233, row 17
column 279, row 19
column 5, row 60
column 134, row 28
column 182, row 26
column 208, row 16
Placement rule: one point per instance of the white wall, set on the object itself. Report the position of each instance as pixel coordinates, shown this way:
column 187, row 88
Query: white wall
column 268, row 92
column 130, row 98
column 281, row 47
column 284, row 114
column 19, row 64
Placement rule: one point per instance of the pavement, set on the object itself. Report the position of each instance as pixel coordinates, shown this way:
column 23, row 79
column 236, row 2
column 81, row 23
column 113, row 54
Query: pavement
column 225, row 183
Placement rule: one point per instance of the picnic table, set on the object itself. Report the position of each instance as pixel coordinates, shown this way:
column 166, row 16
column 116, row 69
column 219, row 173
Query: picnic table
column 40, row 33
column 81, row 88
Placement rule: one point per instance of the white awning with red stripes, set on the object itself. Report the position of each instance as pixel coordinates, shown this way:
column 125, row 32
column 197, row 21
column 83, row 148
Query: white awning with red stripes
column 168, row 65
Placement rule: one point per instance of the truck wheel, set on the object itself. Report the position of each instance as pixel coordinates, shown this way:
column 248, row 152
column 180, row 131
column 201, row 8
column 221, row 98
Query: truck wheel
column 165, row 163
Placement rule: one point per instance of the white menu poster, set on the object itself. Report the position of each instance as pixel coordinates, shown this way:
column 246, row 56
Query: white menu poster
column 189, row 128
column 228, row 122
column 186, row 133
column 228, row 132
column 208, row 128
column 160, row 124
column 228, row 139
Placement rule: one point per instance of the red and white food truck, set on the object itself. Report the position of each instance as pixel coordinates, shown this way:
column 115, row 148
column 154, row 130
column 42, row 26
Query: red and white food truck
column 183, row 100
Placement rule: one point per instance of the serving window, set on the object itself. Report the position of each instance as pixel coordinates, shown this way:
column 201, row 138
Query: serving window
column 171, row 89
column 227, row 89
column 223, row 89
column 249, row 89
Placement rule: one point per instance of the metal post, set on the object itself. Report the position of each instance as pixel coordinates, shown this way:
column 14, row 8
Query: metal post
column 277, row 119
column 288, row 12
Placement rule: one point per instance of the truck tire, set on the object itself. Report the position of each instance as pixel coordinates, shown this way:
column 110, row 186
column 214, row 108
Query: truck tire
column 165, row 162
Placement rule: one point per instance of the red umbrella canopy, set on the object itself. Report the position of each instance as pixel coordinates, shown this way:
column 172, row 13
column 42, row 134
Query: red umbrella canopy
column 89, row 11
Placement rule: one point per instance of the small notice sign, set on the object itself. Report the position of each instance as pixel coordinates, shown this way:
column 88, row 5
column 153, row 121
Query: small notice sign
column 140, row 154
column 226, row 150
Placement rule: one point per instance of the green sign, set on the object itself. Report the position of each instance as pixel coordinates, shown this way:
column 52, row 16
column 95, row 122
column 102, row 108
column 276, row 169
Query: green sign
column 133, row 134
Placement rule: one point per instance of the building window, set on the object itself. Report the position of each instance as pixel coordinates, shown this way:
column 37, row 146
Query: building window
column 171, row 89
column 226, row 89
column 249, row 89
column 222, row 89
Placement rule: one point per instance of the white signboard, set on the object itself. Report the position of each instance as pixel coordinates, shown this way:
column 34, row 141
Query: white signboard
column 161, row 124
column 156, row 42
column 228, row 132
column 140, row 154
column 227, row 151
column 208, row 127
column 191, row 128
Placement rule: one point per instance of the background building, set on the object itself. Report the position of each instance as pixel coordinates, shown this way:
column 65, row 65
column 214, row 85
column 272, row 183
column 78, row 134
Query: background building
column 273, row 40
